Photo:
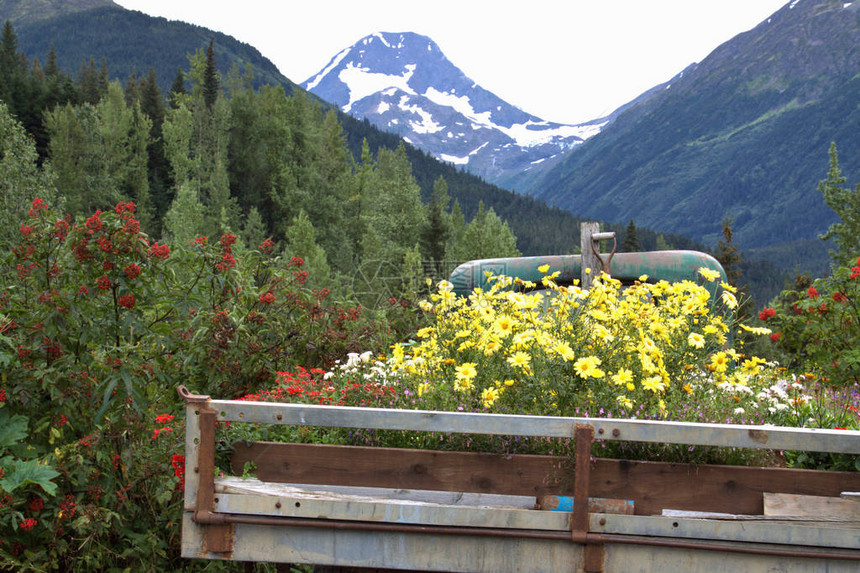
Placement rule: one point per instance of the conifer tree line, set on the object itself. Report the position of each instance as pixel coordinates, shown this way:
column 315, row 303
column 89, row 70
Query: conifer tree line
column 215, row 155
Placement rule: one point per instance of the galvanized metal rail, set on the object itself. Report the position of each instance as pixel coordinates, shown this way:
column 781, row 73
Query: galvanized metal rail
column 270, row 530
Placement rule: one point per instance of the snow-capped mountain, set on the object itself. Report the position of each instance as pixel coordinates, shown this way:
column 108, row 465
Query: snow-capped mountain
column 403, row 83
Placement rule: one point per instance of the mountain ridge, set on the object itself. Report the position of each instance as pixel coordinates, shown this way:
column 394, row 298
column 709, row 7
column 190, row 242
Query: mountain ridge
column 743, row 134
column 402, row 82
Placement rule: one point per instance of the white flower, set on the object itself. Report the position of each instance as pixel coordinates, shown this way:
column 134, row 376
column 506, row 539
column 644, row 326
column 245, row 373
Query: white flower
column 738, row 411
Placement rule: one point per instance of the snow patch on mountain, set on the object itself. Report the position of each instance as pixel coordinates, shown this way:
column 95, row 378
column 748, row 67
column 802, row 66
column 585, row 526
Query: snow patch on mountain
column 402, row 82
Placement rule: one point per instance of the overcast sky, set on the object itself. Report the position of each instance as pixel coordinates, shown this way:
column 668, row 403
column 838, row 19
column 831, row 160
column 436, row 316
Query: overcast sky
column 567, row 61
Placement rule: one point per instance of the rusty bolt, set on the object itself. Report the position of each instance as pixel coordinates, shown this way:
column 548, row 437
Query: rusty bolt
column 600, row 431
column 602, row 521
column 278, row 505
column 196, row 470
column 616, row 432
column 279, row 417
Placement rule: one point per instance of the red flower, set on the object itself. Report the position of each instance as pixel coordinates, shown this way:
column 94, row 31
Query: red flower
column 28, row 524
column 2, row 394
column 61, row 229
column 812, row 292
column 267, row 297
column 164, row 418
column 855, row 272
column 94, row 223
column 103, row 282
column 166, row 430
column 767, row 313
column 37, row 504
column 61, row 421
column 67, row 508
column 125, row 207
column 227, row 239
column 83, row 290
column 126, row 301
column 39, row 205
column 839, row 297
column 132, row 271
column 107, row 266
column 296, row 262
column 131, row 225
column 266, row 246
column 26, row 230
column 776, row 336
column 199, row 241
column 227, row 261
column 159, row 251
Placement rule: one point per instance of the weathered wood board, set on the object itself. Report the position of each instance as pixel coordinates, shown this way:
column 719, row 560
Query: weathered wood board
column 653, row 486
column 815, row 506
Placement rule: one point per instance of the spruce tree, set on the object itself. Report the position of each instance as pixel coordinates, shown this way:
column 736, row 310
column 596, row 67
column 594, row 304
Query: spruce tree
column 210, row 78
column 727, row 254
column 846, row 203
column 631, row 240
column 177, row 89
column 434, row 234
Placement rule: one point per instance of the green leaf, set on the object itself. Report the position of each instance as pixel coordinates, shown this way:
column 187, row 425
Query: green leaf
column 30, row 471
column 12, row 429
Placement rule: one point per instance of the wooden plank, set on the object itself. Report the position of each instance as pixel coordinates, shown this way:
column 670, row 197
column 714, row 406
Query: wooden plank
column 728, row 435
column 817, row 521
column 725, row 530
column 255, row 486
column 345, row 507
column 810, row 506
column 417, row 551
column 652, row 486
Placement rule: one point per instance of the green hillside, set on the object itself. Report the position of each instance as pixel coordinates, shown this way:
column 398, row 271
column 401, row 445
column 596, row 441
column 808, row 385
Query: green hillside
column 744, row 134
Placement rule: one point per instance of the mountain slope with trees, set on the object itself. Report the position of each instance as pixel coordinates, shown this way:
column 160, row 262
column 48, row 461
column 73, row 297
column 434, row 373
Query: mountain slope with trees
column 744, row 134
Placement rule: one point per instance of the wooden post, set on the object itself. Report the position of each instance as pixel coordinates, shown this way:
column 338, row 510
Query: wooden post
column 590, row 262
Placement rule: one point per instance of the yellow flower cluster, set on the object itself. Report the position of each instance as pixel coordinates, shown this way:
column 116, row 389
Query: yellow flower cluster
column 548, row 348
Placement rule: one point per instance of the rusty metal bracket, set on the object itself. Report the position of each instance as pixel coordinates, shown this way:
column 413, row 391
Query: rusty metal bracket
column 595, row 241
column 190, row 398
column 593, row 554
column 218, row 531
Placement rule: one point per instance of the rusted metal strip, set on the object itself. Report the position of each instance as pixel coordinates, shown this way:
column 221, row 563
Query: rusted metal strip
column 593, row 555
column 218, row 533
column 600, row 538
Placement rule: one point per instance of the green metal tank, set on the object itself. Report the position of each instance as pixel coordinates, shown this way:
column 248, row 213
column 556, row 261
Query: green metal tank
column 671, row 266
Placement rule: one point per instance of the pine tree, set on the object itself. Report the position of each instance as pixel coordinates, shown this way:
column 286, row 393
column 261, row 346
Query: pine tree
column 727, row 254
column 846, row 203
column 184, row 220
column 211, row 86
column 253, row 230
column 51, row 67
column 437, row 228
column 301, row 242
column 631, row 240
column 177, row 89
